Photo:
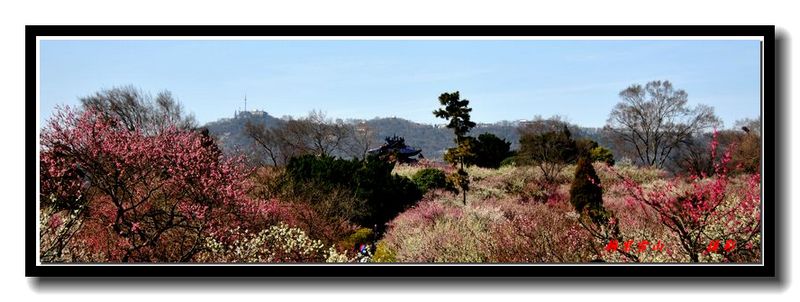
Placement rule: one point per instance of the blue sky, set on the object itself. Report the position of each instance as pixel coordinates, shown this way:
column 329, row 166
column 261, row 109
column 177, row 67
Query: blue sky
column 504, row 80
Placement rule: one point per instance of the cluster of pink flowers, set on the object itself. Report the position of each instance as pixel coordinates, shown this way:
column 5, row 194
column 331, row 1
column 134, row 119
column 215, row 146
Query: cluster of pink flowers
column 142, row 195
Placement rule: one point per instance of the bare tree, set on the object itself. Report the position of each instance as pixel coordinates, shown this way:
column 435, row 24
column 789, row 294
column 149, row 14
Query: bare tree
column 136, row 109
column 540, row 125
column 749, row 125
column 655, row 120
column 265, row 139
column 546, row 144
column 327, row 137
column 313, row 134
column 361, row 140
column 550, row 151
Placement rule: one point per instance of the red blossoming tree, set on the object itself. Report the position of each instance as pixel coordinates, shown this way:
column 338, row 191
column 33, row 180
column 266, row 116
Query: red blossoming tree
column 713, row 218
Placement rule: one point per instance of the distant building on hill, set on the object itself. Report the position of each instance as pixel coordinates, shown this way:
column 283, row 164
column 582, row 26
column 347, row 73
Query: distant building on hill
column 248, row 114
column 396, row 150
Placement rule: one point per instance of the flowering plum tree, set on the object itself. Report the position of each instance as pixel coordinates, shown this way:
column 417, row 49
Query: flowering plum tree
column 114, row 193
column 700, row 210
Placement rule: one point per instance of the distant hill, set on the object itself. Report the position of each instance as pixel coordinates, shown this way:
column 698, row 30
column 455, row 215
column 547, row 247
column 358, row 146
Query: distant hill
column 432, row 139
column 435, row 139
column 230, row 132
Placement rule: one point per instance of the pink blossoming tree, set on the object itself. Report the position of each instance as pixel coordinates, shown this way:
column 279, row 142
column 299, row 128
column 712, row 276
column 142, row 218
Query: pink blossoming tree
column 114, row 194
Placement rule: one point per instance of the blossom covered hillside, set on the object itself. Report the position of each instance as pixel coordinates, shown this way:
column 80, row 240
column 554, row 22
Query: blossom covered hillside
column 130, row 179
column 511, row 217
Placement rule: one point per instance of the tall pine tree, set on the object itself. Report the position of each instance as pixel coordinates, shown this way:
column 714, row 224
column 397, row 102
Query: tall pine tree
column 456, row 111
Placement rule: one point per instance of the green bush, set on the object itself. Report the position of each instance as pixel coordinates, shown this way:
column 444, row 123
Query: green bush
column 585, row 192
column 384, row 195
column 491, row 151
column 362, row 235
column 432, row 178
column 602, row 154
column 383, row 253
column 594, row 151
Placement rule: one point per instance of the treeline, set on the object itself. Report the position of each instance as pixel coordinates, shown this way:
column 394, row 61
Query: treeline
column 233, row 136
column 261, row 138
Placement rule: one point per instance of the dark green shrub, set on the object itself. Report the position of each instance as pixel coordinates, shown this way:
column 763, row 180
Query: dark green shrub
column 384, row 195
column 585, row 192
column 491, row 151
column 431, row 178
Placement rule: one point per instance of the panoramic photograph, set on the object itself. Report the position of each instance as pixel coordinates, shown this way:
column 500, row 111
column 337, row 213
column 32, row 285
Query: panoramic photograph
column 399, row 150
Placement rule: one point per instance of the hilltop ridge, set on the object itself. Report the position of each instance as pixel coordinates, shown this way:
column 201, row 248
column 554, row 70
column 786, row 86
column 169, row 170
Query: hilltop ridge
column 433, row 139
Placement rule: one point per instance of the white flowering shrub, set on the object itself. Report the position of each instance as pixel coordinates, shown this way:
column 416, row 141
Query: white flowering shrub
column 278, row 243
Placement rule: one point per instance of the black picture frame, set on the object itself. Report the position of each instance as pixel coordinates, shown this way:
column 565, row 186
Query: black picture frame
column 766, row 269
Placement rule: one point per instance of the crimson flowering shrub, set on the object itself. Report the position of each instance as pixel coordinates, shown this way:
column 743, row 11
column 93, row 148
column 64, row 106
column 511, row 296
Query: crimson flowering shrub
column 702, row 212
column 114, row 194
column 637, row 222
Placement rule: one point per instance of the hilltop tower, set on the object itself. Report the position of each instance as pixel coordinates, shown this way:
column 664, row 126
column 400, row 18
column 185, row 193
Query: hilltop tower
column 244, row 113
column 237, row 113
